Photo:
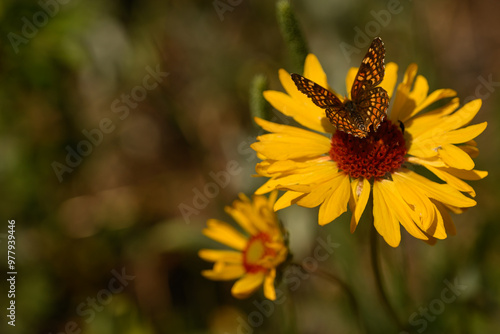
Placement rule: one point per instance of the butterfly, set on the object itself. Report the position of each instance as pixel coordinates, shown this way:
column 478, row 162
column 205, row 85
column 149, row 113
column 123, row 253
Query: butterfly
column 368, row 104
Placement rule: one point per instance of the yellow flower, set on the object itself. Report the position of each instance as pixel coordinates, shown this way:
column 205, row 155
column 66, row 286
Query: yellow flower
column 332, row 169
column 256, row 256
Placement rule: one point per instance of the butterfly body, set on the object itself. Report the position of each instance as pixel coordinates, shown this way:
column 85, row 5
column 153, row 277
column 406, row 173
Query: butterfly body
column 353, row 113
column 368, row 103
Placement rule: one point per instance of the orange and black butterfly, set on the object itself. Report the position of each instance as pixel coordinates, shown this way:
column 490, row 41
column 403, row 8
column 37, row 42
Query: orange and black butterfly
column 368, row 104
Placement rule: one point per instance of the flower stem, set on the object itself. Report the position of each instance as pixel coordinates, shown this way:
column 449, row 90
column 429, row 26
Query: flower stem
column 378, row 277
column 258, row 105
column 343, row 285
column 292, row 34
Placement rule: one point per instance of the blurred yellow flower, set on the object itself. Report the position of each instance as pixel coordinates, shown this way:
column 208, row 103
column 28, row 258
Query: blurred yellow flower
column 333, row 169
column 256, row 255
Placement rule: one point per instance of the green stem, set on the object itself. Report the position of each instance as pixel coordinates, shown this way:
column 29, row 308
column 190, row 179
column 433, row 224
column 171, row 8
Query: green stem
column 259, row 107
column 292, row 34
column 344, row 286
column 378, row 277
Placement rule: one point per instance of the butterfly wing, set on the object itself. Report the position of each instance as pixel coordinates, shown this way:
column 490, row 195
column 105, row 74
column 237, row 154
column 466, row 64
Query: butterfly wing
column 324, row 99
column 321, row 97
column 335, row 109
column 373, row 105
column 371, row 72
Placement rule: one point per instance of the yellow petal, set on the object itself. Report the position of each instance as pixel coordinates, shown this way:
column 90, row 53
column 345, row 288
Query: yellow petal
column 436, row 130
column 225, row 234
column 402, row 94
column 305, row 180
column 290, row 87
column 273, row 196
column 417, row 126
column 447, row 221
column 289, row 142
column 452, row 180
column 300, row 108
column 242, row 218
column 422, row 206
column 455, row 157
column 410, row 94
column 303, row 188
column 451, row 155
column 336, row 203
column 360, row 193
column 269, row 290
column 228, row 256
column 416, row 97
column 464, row 134
column 287, row 199
column 437, row 229
column 432, row 161
column 313, row 71
column 471, row 175
column 293, row 166
column 224, row 272
column 249, row 215
column 322, row 190
column 390, row 78
column 266, row 187
column 349, row 79
column 401, row 211
column 433, row 97
column 247, row 285
column 385, row 222
column 288, row 148
column 440, row 192
column 472, row 151
column 423, row 149
column 461, row 117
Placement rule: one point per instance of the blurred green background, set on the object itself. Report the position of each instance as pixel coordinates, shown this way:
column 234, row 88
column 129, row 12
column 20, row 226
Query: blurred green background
column 72, row 68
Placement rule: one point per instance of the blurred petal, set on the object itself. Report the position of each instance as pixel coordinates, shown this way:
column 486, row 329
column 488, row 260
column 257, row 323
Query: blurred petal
column 269, row 290
column 225, row 234
column 221, row 255
column 224, row 272
column 247, row 285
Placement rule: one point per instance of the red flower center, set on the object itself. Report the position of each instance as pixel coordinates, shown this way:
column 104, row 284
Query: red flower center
column 376, row 155
column 255, row 253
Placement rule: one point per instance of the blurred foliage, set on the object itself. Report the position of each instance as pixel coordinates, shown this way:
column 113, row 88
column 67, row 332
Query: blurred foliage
column 118, row 208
